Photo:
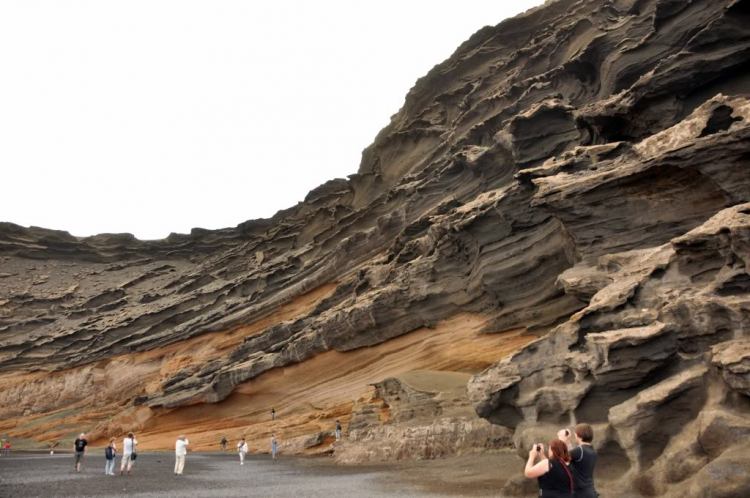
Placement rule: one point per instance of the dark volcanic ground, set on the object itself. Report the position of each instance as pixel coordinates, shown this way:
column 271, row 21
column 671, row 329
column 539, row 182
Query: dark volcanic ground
column 28, row 475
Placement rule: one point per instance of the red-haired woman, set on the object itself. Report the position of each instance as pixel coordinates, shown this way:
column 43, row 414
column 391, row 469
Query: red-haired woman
column 555, row 479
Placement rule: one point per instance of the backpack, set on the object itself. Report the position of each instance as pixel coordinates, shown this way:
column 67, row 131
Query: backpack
column 108, row 453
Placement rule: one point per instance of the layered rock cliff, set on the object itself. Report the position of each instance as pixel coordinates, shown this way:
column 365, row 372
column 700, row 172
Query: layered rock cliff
column 559, row 209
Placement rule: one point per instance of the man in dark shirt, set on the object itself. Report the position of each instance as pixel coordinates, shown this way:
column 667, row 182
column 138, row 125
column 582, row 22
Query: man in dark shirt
column 223, row 444
column 80, row 446
column 583, row 460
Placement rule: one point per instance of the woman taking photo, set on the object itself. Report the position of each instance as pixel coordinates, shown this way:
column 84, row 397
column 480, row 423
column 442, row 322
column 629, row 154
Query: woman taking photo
column 553, row 474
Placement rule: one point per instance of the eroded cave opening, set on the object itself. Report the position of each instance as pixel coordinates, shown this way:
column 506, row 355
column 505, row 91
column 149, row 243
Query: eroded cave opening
column 737, row 285
column 554, row 417
column 506, row 414
column 612, row 462
column 594, row 408
column 668, row 421
column 721, row 119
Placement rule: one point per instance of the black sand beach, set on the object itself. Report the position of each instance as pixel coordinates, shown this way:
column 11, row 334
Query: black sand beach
column 28, row 475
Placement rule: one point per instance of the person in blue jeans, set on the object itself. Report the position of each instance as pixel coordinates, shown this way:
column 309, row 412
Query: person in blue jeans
column 110, row 453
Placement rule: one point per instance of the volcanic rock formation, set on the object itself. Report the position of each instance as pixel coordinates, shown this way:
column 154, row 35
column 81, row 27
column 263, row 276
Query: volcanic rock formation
column 570, row 186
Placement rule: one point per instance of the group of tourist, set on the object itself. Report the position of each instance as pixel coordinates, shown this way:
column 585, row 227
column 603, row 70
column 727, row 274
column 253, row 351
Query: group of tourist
column 566, row 471
column 242, row 448
column 129, row 454
column 80, row 448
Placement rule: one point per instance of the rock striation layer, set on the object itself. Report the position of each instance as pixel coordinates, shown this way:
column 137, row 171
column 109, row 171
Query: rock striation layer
column 570, row 186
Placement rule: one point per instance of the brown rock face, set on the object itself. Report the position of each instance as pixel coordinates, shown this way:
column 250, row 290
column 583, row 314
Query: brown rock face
column 417, row 414
column 657, row 362
column 570, row 186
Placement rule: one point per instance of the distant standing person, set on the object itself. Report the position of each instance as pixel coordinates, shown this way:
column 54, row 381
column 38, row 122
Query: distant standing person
column 583, row 459
column 180, row 450
column 242, row 449
column 223, row 444
column 81, row 449
column 338, row 430
column 110, row 452
column 128, row 453
column 273, row 414
column 274, row 447
column 6, row 447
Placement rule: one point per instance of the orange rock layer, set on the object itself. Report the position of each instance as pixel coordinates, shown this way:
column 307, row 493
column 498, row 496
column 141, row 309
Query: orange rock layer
column 308, row 397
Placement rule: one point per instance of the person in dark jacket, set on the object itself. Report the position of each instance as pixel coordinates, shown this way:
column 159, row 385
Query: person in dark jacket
column 110, row 452
column 553, row 473
column 583, row 459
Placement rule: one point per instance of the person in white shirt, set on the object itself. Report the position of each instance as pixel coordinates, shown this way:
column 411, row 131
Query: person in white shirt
column 242, row 449
column 128, row 449
column 180, row 450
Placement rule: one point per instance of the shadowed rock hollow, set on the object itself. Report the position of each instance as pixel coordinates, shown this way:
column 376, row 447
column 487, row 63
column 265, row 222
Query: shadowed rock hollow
column 559, row 209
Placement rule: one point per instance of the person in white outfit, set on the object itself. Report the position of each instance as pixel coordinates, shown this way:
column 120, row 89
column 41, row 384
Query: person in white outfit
column 128, row 448
column 242, row 449
column 180, row 450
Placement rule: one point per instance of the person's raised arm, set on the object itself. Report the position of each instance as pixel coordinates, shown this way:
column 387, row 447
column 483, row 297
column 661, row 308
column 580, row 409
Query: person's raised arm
column 533, row 471
column 564, row 436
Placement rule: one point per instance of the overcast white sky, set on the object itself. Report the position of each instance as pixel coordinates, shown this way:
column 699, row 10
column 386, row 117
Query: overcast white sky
column 153, row 117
